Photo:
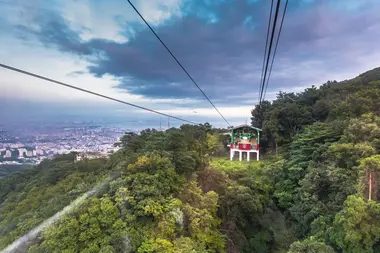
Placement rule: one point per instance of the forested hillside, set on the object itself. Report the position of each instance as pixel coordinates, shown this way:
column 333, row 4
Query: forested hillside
column 315, row 190
column 329, row 141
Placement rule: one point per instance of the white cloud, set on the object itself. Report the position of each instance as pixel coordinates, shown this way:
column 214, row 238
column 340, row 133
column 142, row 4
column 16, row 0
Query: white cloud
column 104, row 19
column 235, row 112
column 157, row 11
column 108, row 19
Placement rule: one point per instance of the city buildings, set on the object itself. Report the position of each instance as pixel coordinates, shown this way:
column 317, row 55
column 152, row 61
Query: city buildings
column 32, row 145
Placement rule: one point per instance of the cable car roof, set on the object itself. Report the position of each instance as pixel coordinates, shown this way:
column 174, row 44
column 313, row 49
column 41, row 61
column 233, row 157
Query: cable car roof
column 246, row 126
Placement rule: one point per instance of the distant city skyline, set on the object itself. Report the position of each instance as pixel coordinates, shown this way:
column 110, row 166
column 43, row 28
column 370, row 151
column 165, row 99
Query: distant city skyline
column 31, row 145
column 103, row 46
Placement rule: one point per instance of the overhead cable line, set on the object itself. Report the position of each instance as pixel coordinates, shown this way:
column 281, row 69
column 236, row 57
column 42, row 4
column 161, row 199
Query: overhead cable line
column 265, row 52
column 275, row 49
column 175, row 58
column 270, row 48
column 91, row 92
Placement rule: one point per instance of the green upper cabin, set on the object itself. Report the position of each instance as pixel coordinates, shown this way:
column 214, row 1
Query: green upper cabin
column 245, row 137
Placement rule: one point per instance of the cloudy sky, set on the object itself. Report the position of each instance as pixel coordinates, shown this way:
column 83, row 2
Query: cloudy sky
column 103, row 45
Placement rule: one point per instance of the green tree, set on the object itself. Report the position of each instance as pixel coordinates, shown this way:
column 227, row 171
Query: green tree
column 201, row 215
column 370, row 175
column 310, row 246
column 156, row 246
column 357, row 226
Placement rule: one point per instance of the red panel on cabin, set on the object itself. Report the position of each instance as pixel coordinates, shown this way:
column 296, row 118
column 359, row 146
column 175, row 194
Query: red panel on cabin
column 244, row 146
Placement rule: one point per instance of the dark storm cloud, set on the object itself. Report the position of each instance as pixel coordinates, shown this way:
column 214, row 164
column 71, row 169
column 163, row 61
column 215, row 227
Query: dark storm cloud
column 54, row 30
column 211, row 52
column 223, row 53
